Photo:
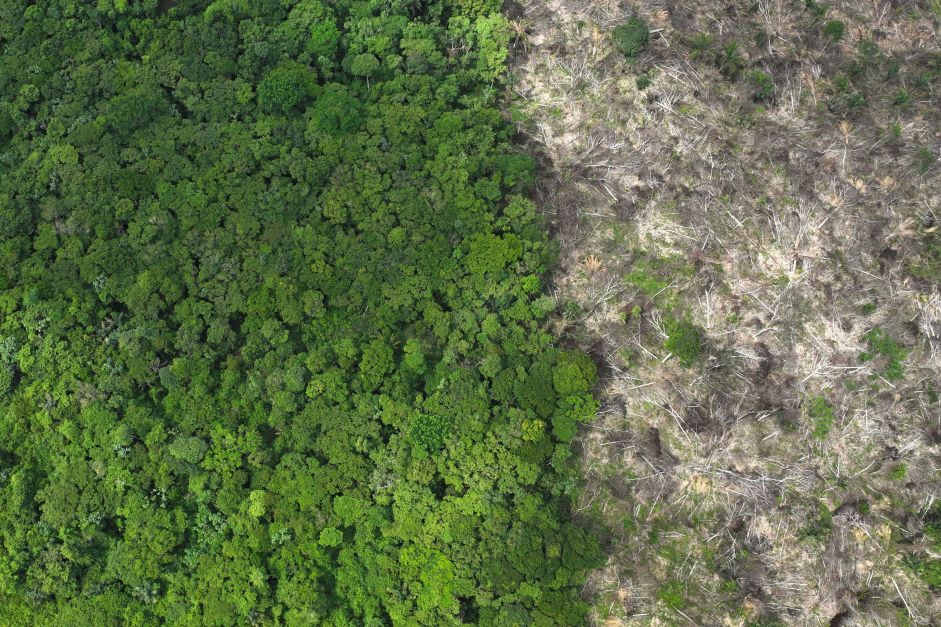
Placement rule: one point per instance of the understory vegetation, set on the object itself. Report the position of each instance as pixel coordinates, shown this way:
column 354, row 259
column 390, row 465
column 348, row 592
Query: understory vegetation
column 273, row 340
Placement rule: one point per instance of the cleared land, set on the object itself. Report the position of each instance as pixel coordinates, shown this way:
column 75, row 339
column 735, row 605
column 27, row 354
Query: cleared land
column 749, row 217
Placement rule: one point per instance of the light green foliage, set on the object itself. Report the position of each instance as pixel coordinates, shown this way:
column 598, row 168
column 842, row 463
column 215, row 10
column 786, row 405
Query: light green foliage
column 324, row 40
column 672, row 594
column 574, row 373
column 821, row 417
column 190, row 449
column 684, row 339
column 365, row 65
column 899, row 472
column 632, row 37
column 881, row 344
column 330, row 537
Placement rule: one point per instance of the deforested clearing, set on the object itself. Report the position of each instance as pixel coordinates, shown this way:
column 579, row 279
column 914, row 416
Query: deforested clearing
column 747, row 202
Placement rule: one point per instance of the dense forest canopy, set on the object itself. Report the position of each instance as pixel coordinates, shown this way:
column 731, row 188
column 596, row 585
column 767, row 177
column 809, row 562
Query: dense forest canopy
column 272, row 343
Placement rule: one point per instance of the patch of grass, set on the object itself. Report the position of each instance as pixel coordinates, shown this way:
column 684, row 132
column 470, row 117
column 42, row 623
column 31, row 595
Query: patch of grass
column 902, row 99
column 899, row 473
column 632, row 37
column 684, row 339
column 881, row 344
column 869, row 309
column 652, row 274
column 672, row 594
column 821, row 417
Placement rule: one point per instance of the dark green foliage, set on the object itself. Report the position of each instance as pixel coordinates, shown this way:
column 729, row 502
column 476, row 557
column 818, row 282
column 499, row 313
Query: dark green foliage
column 730, row 61
column 271, row 337
column 684, row 339
column 284, row 88
column 819, row 525
column 632, row 37
column 834, row 29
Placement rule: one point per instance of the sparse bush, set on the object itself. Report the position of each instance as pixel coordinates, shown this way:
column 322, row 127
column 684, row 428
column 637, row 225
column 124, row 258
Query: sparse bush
column 925, row 160
column 834, row 30
column 672, row 594
column 683, row 340
column 632, row 37
column 643, row 82
column 730, row 61
column 819, row 9
column 699, row 44
column 821, row 416
column 763, row 85
column 818, row 527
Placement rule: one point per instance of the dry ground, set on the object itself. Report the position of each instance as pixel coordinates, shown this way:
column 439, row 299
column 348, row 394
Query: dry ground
column 789, row 473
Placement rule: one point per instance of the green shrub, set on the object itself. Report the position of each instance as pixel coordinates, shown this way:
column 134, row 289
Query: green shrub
column 684, row 340
column 819, row 9
column 700, row 44
column 730, row 61
column 834, row 30
column 763, row 85
column 881, row 344
column 632, row 37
